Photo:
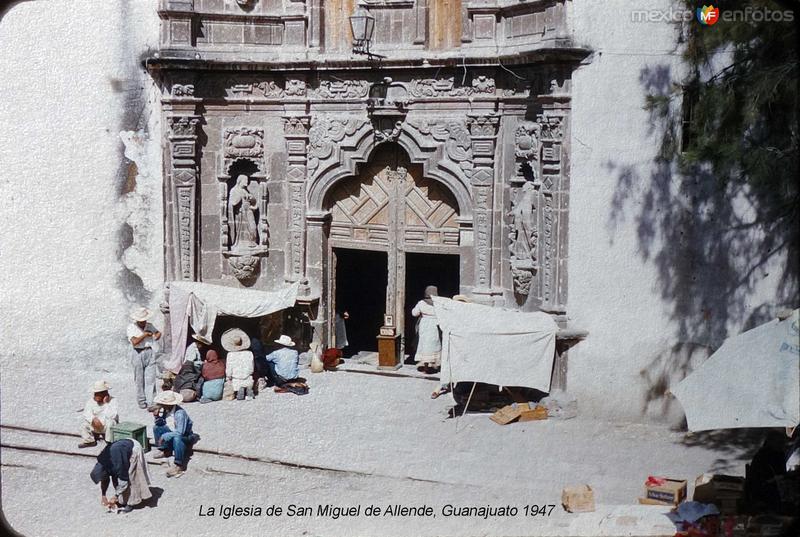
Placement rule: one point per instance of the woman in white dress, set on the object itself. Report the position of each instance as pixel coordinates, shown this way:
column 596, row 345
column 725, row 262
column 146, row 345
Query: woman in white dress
column 429, row 340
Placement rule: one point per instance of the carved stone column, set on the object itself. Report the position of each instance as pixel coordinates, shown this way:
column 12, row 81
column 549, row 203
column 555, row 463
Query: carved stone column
column 554, row 212
column 318, row 272
column 183, row 174
column 296, row 134
column 483, row 132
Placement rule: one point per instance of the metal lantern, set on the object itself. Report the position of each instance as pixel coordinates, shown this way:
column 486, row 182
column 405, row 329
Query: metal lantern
column 363, row 25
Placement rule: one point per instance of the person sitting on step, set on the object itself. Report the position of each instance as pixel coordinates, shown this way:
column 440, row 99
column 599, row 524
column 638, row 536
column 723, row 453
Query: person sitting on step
column 283, row 368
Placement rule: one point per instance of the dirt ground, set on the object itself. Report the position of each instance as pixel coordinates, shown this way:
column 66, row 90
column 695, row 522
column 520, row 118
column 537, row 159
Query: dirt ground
column 355, row 440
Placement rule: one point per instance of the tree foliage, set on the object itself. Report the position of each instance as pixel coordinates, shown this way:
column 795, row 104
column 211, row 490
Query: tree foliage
column 743, row 84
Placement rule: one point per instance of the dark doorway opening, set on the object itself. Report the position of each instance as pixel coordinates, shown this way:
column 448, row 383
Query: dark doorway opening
column 422, row 270
column 361, row 281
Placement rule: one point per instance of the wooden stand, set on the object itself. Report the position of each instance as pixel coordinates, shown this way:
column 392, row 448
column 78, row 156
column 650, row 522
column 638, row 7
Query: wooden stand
column 389, row 353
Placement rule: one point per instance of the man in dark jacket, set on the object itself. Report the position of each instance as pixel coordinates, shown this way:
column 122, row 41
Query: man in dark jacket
column 189, row 381
column 122, row 464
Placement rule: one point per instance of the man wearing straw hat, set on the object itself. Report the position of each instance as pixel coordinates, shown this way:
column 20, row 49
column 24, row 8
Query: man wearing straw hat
column 177, row 440
column 142, row 336
column 99, row 414
column 283, row 368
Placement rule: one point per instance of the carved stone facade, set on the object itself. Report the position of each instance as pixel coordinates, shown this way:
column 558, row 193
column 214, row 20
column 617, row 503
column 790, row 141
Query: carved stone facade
column 273, row 159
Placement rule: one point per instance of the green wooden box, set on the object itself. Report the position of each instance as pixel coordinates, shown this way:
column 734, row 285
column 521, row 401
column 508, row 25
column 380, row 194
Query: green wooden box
column 128, row 429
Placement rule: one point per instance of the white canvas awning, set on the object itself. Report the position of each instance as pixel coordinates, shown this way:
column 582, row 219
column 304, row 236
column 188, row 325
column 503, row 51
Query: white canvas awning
column 752, row 380
column 201, row 303
column 496, row 346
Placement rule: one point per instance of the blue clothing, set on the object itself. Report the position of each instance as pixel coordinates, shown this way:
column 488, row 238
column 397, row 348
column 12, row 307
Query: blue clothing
column 285, row 363
column 178, row 440
column 183, row 424
column 212, row 390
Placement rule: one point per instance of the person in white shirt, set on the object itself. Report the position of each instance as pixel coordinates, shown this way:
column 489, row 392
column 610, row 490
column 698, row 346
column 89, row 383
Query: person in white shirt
column 142, row 337
column 99, row 414
column 239, row 362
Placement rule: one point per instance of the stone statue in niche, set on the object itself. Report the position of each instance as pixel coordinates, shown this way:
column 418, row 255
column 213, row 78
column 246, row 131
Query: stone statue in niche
column 523, row 228
column 242, row 215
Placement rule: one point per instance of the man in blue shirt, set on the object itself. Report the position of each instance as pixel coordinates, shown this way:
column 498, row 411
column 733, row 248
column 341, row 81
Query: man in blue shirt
column 283, row 368
column 177, row 440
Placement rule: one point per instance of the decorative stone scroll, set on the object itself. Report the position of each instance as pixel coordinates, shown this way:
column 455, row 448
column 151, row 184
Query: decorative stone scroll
column 325, row 133
column 183, row 171
column 183, row 90
column 341, row 89
column 446, row 87
column 483, row 133
column 455, row 135
column 296, row 132
column 253, row 87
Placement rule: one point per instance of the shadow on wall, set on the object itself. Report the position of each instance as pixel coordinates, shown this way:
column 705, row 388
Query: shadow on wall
column 710, row 244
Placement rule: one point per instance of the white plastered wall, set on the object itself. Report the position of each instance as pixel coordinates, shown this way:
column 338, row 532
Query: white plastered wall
column 80, row 174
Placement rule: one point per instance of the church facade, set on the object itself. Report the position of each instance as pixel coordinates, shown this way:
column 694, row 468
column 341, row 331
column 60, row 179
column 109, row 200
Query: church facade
column 288, row 158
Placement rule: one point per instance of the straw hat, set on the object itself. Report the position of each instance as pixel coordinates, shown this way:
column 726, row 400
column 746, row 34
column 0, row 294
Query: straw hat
column 235, row 339
column 285, row 340
column 462, row 298
column 168, row 398
column 100, row 386
column 201, row 339
column 141, row 314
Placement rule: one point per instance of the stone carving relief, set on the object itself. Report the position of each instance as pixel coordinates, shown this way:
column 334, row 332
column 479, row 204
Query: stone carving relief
column 183, row 169
column 524, row 231
column 253, row 87
column 526, row 140
column 245, row 267
column 242, row 216
column 341, row 89
column 454, row 134
column 183, row 90
column 245, row 142
column 244, row 232
column 325, row 133
column 446, row 87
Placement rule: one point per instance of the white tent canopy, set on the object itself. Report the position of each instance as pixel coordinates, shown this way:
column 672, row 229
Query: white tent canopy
column 496, row 346
column 752, row 380
column 201, row 303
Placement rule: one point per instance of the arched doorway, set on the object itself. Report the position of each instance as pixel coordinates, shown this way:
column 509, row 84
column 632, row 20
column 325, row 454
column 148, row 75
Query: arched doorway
column 392, row 232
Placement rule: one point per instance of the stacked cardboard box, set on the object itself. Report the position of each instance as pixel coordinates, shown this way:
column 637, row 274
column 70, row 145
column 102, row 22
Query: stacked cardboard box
column 724, row 491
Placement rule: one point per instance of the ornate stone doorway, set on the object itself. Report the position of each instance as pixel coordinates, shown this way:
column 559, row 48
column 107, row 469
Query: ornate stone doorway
column 390, row 207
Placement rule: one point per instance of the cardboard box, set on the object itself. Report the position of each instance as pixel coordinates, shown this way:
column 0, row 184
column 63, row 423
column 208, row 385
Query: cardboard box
column 672, row 492
column 538, row 412
column 519, row 412
column 578, row 499
column 128, row 429
column 724, row 491
column 509, row 413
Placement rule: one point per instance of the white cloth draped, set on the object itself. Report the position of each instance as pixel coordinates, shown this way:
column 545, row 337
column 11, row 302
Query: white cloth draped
column 495, row 345
column 201, row 303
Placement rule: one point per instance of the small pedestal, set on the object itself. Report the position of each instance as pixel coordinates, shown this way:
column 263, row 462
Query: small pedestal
column 389, row 352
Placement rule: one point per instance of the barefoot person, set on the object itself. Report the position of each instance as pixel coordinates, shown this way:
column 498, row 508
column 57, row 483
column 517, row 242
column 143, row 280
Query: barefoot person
column 99, row 414
column 122, row 464
column 142, row 337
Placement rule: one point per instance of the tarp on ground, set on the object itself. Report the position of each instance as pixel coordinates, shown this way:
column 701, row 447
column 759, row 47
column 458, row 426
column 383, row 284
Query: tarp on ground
column 495, row 345
column 752, row 380
column 201, row 303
